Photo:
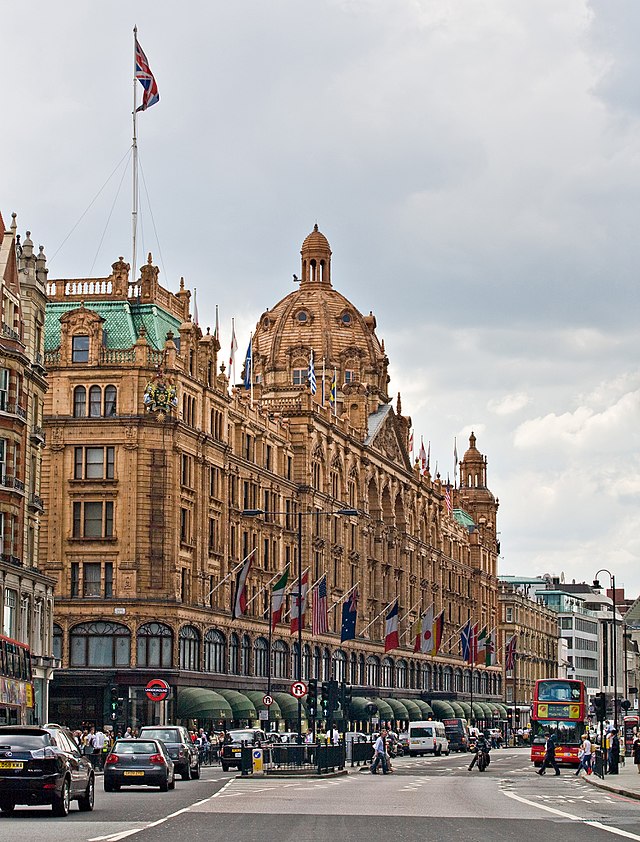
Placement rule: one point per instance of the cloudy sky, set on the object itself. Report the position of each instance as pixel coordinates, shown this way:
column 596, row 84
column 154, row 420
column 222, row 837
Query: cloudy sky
column 475, row 167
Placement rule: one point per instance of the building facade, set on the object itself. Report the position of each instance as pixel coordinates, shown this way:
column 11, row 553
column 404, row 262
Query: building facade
column 26, row 594
column 162, row 476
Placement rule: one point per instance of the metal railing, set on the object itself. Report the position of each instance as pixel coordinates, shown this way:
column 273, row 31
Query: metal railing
column 292, row 758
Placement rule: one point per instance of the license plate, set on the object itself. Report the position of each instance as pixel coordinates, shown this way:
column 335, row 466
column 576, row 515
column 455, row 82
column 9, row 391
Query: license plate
column 133, row 774
column 10, row 764
column 237, row 750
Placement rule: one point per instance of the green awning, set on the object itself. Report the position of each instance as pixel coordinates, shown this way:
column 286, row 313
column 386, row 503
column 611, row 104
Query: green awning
column 385, row 711
column 458, row 710
column 442, row 709
column 413, row 708
column 255, row 696
column 488, row 711
column 359, row 708
column 425, row 707
column 478, row 711
column 288, row 705
column 400, row 712
column 466, row 707
column 503, row 710
column 241, row 705
column 201, row 703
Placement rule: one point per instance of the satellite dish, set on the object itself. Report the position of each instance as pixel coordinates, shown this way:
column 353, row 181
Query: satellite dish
column 546, row 577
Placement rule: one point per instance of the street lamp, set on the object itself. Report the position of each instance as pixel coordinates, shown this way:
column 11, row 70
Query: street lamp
column 597, row 587
column 346, row 512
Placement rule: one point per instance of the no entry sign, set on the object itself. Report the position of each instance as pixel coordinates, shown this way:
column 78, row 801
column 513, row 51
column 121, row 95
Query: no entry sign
column 157, row 690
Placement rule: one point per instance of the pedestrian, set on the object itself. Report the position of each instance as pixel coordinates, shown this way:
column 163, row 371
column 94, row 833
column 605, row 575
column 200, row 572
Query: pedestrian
column 635, row 748
column 584, row 754
column 99, row 740
column 380, row 754
column 614, row 753
column 333, row 736
column 549, row 754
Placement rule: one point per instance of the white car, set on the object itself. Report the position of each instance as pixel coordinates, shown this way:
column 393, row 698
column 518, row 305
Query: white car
column 427, row 737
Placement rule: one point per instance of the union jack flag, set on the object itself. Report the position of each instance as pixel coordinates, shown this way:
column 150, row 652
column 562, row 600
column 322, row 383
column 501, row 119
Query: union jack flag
column 146, row 79
column 319, row 621
column 510, row 652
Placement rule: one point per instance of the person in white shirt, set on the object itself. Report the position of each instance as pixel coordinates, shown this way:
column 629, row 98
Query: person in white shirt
column 380, row 754
column 584, row 754
column 99, row 740
column 333, row 737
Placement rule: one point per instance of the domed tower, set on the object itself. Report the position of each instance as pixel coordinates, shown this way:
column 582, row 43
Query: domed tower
column 317, row 322
column 474, row 496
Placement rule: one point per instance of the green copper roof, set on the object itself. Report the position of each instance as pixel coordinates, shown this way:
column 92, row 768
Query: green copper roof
column 122, row 322
column 464, row 519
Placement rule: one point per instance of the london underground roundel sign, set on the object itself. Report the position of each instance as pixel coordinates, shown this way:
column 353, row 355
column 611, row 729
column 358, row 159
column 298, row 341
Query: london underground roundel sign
column 157, row 690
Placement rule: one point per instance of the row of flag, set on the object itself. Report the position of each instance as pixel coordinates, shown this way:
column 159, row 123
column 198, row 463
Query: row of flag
column 478, row 645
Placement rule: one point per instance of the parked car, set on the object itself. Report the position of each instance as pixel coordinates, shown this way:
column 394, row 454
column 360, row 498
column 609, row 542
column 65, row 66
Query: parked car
column 283, row 736
column 141, row 762
column 182, row 750
column 43, row 765
column 404, row 741
column 231, row 754
column 427, row 737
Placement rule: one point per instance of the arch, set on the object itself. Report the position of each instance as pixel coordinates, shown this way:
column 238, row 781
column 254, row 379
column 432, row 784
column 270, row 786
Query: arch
column 189, row 640
column 317, row 661
column 373, row 499
column 100, row 644
column 362, row 669
column 260, row 657
column 110, row 400
column 339, row 665
column 58, row 637
column 457, row 680
column 387, row 508
column 245, row 655
column 447, row 679
column 234, row 654
column 401, row 673
column 306, row 661
column 280, row 659
column 215, row 651
column 79, row 402
column 95, row 402
column 386, row 672
column 326, row 664
column 154, row 646
column 400, row 517
column 427, row 677
column 373, row 670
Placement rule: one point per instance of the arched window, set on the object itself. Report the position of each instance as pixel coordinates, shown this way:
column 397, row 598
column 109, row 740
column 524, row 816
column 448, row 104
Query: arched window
column 426, row 677
column 79, row 402
column 447, row 678
column 373, row 670
column 326, row 665
column 260, row 655
column 306, row 661
column 95, row 402
column 234, row 654
column 316, row 662
column 361, row 669
column 215, row 651
column 354, row 668
column 401, row 674
column 245, row 655
column 154, row 645
column 57, row 641
column 386, row 678
column 294, row 660
column 339, row 665
column 189, row 648
column 100, row 645
column 110, row 394
column 457, row 681
column 280, row 659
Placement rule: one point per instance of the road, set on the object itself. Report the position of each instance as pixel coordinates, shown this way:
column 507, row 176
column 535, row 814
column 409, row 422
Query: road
column 425, row 799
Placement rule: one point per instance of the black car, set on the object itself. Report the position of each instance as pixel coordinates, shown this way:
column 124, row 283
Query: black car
column 182, row 751
column 43, row 765
column 139, row 763
column 231, row 754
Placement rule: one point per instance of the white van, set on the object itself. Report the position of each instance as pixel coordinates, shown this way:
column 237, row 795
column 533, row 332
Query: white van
column 427, row 737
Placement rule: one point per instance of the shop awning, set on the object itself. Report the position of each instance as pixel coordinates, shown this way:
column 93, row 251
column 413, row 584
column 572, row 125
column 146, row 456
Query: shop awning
column 400, row 712
column 503, row 710
column 466, row 707
column 359, row 708
column 385, row 711
column 288, row 705
column 425, row 707
column 413, row 708
column 255, row 696
column 442, row 709
column 488, row 711
column 458, row 710
column 201, row 703
column 241, row 705
column 478, row 711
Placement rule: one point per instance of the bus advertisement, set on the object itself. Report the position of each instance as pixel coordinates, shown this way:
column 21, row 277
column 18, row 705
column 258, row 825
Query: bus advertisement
column 16, row 687
column 560, row 707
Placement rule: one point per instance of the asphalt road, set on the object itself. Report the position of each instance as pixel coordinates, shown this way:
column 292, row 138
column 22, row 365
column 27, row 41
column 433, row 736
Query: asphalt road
column 424, row 799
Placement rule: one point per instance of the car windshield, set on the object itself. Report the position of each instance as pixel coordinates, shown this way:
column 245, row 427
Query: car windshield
column 239, row 736
column 421, row 732
column 25, row 742
column 166, row 735
column 568, row 733
column 135, row 747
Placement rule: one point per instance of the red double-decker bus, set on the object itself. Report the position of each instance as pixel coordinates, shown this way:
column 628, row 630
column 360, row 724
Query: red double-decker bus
column 560, row 707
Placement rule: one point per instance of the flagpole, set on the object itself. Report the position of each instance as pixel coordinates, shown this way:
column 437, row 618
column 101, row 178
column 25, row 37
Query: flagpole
column 323, row 376
column 344, row 596
column 377, row 617
column 251, row 365
column 272, row 579
column 228, row 576
column 134, row 212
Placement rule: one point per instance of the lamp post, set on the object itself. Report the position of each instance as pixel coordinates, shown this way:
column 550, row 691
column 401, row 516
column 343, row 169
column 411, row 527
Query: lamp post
column 256, row 513
column 597, row 587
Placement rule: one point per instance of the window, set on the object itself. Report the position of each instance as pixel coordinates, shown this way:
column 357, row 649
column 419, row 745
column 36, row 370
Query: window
column 57, row 642
column 93, row 520
column 302, row 316
column 110, row 394
column 4, row 388
column 387, row 672
column 261, row 652
column 373, row 670
column 509, row 615
column 189, row 648
column 234, row 654
column 79, row 402
column 339, row 665
column 566, row 622
column 154, row 645
column 80, row 349
column 108, row 579
column 349, row 375
column 245, row 655
column 94, row 463
column 95, row 402
column 215, row 651
column 280, row 659
column 100, row 645
column 10, row 624
column 300, row 376
column 346, row 318
column 91, row 579
column 3, row 459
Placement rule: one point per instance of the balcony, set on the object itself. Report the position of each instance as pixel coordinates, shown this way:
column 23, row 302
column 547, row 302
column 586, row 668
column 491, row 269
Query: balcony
column 38, row 436
column 14, row 409
column 11, row 559
column 10, row 332
column 36, row 503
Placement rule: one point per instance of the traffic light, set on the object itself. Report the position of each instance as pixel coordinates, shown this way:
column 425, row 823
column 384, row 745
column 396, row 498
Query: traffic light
column 312, row 697
column 324, row 698
column 117, row 703
column 334, row 693
column 346, row 695
column 600, row 706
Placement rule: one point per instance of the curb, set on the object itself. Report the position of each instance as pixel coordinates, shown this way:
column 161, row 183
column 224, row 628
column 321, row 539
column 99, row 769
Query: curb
column 292, row 776
column 617, row 789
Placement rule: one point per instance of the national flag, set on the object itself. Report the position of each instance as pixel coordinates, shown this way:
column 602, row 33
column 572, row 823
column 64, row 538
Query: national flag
column 391, row 636
column 333, row 390
column 447, row 498
column 195, row 307
column 481, row 646
column 510, row 652
column 319, row 620
column 240, row 595
column 465, row 641
column 146, row 79
column 411, row 444
column 216, row 332
column 491, row 659
column 277, row 599
column 349, row 617
column 423, row 457
column 312, row 375
column 417, row 634
column 248, row 365
column 429, row 458
column 234, row 348
column 299, row 598
column 455, row 460
column 474, row 643
column 426, row 637
column 438, row 631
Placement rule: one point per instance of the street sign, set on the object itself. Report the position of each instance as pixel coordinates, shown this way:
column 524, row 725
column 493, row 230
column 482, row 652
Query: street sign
column 267, row 700
column 157, row 690
column 263, row 715
column 298, row 689
column 375, row 720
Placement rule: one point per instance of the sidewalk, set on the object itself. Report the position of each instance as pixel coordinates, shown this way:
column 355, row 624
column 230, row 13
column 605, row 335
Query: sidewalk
column 627, row 782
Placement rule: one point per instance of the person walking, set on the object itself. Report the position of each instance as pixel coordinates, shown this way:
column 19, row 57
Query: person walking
column 614, row 753
column 380, row 754
column 635, row 748
column 99, row 740
column 549, row 755
column 584, row 753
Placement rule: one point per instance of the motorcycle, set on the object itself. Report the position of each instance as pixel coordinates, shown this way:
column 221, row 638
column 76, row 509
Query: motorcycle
column 484, row 758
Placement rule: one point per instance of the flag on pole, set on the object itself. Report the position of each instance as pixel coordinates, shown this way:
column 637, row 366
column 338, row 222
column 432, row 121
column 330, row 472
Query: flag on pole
column 438, row 631
column 411, row 445
column 277, row 599
column 195, row 307
column 319, row 620
column 349, row 617
column 248, row 365
column 455, row 462
column 481, row 646
column 333, row 392
column 417, row 634
column 146, row 79
column 391, row 636
column 426, row 638
column 465, row 641
column 474, row 643
column 234, row 348
column 429, row 458
column 299, row 599
column 490, row 659
column 423, row 457
column 240, row 596
column 312, row 375
column 447, row 498
column 216, row 332
column 510, row 652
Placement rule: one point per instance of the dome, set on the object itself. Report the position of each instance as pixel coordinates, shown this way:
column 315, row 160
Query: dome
column 315, row 240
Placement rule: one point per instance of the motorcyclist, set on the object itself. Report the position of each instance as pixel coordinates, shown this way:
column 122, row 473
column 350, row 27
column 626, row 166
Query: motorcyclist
column 481, row 746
